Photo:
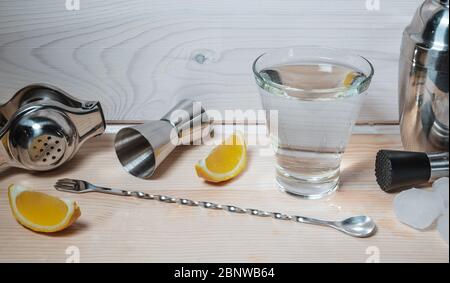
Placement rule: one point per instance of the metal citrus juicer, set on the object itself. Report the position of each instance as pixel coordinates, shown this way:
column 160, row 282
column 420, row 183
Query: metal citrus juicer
column 423, row 103
column 42, row 127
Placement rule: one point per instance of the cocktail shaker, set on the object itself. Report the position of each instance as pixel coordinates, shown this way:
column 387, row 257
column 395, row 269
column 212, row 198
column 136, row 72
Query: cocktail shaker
column 423, row 79
column 423, row 102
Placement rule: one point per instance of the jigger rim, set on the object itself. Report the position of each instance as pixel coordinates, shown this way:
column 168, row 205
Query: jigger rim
column 146, row 153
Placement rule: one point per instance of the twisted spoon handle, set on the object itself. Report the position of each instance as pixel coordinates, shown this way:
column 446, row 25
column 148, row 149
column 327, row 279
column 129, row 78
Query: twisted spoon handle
column 211, row 205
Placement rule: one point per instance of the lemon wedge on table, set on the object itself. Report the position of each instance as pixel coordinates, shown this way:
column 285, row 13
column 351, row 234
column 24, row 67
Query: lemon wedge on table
column 41, row 212
column 224, row 162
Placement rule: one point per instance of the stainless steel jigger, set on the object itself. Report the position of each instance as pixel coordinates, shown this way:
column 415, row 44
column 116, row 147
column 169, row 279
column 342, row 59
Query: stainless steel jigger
column 141, row 149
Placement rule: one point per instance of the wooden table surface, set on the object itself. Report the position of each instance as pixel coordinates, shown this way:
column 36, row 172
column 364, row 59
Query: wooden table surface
column 115, row 229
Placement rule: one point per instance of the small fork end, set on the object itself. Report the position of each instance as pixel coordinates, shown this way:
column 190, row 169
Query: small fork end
column 71, row 186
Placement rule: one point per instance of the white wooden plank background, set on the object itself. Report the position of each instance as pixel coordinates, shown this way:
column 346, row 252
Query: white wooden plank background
column 138, row 57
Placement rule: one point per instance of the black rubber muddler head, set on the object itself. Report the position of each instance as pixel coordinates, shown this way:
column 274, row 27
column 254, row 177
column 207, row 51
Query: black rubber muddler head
column 396, row 170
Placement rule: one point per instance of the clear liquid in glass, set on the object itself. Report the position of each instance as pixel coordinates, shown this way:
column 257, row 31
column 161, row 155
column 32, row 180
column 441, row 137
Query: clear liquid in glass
column 313, row 129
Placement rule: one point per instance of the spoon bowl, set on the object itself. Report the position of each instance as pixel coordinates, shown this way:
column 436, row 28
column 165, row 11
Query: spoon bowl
column 359, row 226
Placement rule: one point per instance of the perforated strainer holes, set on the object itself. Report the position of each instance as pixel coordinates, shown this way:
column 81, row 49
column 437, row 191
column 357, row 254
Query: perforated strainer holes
column 46, row 150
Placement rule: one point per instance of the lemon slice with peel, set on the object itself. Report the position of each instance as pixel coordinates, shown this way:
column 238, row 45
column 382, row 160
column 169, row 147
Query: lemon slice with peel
column 351, row 78
column 41, row 212
column 225, row 161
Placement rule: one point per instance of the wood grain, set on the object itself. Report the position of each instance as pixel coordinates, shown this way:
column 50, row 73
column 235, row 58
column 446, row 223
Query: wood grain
column 138, row 57
column 114, row 229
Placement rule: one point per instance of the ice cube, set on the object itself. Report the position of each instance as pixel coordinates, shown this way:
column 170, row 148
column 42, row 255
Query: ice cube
column 418, row 208
column 441, row 187
column 443, row 226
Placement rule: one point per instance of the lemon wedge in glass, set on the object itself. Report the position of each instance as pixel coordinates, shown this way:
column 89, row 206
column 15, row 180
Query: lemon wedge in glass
column 41, row 212
column 224, row 162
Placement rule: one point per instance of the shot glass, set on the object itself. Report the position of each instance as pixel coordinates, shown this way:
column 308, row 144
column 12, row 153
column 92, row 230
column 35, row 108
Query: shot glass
column 317, row 94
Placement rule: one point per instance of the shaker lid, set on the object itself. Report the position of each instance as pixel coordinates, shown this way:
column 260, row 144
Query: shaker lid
column 426, row 38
